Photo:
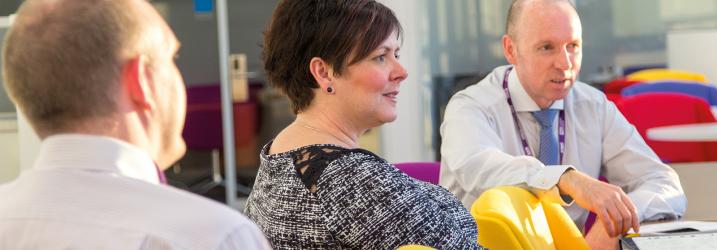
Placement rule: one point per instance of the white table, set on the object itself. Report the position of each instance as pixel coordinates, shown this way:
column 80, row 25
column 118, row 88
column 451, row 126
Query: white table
column 688, row 132
column 699, row 181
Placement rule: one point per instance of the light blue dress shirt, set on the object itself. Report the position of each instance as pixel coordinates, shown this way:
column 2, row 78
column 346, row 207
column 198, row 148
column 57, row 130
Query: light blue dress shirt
column 481, row 148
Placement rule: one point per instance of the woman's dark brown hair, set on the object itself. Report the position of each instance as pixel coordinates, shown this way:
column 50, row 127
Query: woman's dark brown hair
column 332, row 30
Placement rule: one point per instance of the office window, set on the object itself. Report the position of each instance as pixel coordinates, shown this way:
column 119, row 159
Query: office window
column 652, row 17
column 493, row 15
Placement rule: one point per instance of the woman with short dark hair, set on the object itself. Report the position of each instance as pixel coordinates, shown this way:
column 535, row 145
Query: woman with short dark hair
column 338, row 63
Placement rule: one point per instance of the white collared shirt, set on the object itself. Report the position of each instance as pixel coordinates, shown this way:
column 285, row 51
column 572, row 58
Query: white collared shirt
column 91, row 192
column 481, row 148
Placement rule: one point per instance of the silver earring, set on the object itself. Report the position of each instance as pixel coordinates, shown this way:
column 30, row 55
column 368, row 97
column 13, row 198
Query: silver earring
column 330, row 90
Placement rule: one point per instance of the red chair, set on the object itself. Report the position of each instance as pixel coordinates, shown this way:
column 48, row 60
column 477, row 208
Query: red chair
column 663, row 109
column 612, row 89
column 424, row 171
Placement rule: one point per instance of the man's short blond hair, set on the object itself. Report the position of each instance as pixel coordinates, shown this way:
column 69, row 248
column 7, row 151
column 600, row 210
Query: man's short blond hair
column 62, row 60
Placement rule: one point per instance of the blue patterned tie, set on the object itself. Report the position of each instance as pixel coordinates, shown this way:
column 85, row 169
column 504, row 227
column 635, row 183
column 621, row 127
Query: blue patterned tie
column 548, row 140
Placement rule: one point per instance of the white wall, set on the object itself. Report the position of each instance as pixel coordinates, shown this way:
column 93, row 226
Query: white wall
column 405, row 139
column 693, row 50
column 198, row 60
column 9, row 137
column 5, row 104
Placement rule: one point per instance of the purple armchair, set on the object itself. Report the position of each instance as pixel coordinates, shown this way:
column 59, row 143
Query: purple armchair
column 203, row 131
column 203, row 127
column 424, row 171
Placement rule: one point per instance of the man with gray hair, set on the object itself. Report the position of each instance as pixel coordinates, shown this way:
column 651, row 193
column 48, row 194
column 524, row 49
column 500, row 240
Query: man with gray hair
column 531, row 124
column 97, row 81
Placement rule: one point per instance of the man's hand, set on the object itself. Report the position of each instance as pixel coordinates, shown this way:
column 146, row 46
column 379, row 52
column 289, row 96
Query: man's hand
column 598, row 239
column 611, row 205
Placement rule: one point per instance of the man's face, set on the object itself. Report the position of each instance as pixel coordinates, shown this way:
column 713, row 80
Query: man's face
column 169, row 93
column 546, row 50
column 172, row 103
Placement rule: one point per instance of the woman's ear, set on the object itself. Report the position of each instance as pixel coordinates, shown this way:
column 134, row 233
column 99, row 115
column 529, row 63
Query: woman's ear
column 323, row 73
column 136, row 78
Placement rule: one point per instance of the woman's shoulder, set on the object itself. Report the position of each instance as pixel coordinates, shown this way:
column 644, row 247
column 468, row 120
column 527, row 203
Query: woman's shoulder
column 364, row 164
column 365, row 173
column 361, row 157
column 363, row 190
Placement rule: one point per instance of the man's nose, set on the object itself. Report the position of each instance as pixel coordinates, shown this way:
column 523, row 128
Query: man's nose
column 564, row 60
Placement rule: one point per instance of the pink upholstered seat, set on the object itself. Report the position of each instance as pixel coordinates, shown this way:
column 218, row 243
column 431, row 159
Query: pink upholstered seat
column 425, row 171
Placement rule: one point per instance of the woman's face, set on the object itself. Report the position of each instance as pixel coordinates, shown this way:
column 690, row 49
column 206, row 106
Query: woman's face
column 371, row 86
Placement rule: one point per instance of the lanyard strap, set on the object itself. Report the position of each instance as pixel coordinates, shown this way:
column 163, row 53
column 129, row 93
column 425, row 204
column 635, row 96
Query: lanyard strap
column 523, row 139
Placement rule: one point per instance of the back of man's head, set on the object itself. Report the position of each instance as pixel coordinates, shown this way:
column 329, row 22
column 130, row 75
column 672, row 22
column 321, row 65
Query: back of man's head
column 516, row 10
column 62, row 60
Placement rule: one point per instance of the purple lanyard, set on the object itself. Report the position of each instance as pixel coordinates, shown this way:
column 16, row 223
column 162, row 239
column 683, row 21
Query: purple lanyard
column 523, row 139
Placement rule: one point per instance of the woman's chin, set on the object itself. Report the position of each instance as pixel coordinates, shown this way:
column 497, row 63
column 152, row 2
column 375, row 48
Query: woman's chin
column 389, row 118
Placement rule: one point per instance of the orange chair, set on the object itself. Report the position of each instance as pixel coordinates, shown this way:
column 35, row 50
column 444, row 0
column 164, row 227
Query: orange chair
column 666, row 74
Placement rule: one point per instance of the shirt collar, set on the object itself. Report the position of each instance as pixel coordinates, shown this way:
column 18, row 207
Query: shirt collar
column 522, row 101
column 96, row 153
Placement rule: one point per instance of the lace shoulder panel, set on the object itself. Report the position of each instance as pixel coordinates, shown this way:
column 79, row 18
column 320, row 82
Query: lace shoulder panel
column 311, row 161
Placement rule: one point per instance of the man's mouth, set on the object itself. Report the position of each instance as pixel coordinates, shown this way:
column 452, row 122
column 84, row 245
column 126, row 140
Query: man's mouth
column 560, row 81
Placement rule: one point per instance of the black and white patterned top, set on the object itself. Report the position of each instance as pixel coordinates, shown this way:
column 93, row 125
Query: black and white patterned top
column 352, row 199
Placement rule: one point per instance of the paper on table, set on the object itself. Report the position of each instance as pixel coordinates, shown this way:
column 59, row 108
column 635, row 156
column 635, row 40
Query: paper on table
column 678, row 225
column 694, row 241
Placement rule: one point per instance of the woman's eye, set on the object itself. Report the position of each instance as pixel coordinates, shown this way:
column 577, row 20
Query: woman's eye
column 381, row 58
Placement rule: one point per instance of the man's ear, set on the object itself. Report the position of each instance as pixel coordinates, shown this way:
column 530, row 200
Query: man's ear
column 323, row 72
column 136, row 78
column 509, row 49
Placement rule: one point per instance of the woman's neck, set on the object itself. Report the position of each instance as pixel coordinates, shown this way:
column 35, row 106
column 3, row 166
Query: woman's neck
column 332, row 130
